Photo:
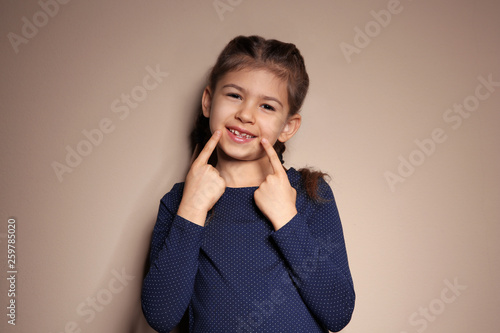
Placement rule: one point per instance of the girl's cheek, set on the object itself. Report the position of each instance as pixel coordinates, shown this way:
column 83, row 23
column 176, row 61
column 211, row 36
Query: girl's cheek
column 274, row 129
column 212, row 125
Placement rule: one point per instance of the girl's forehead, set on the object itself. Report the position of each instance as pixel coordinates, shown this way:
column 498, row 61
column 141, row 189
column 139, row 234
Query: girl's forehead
column 251, row 76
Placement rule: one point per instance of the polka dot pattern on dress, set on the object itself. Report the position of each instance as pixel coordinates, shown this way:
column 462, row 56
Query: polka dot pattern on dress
column 236, row 274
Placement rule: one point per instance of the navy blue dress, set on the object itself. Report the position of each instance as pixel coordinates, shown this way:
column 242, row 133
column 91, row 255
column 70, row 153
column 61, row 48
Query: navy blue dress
column 236, row 274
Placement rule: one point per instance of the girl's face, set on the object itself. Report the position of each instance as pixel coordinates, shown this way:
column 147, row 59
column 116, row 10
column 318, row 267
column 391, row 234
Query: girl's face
column 248, row 105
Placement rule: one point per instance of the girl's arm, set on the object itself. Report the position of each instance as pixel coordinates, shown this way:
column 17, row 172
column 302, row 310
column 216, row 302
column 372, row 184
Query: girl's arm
column 177, row 237
column 175, row 245
column 312, row 244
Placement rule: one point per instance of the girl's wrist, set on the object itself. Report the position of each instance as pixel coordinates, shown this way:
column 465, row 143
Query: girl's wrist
column 192, row 214
column 283, row 219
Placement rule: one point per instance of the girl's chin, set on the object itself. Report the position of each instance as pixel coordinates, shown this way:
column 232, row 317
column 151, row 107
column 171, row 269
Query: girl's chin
column 239, row 156
column 230, row 150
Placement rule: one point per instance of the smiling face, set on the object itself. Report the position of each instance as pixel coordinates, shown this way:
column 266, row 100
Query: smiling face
column 248, row 105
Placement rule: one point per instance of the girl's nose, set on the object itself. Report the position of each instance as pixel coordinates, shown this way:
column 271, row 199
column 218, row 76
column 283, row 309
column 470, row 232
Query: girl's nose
column 245, row 114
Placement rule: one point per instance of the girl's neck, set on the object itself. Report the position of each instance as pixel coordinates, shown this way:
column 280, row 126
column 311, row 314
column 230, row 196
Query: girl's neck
column 238, row 173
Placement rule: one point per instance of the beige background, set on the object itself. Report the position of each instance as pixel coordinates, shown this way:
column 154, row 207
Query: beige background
column 363, row 111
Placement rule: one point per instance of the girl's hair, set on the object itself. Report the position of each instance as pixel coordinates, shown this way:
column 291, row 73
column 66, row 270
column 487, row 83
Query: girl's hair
column 282, row 59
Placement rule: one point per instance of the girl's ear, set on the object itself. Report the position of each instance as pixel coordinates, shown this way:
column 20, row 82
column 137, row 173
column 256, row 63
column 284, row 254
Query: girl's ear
column 206, row 102
column 291, row 127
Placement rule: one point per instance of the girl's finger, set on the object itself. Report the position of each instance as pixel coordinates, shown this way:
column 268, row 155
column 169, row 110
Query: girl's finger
column 209, row 148
column 273, row 156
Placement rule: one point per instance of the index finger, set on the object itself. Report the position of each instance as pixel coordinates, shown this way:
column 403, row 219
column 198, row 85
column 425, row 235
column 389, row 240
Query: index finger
column 273, row 156
column 207, row 151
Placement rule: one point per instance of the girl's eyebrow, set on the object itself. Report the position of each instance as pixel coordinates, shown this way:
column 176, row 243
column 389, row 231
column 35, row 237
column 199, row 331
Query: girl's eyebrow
column 269, row 98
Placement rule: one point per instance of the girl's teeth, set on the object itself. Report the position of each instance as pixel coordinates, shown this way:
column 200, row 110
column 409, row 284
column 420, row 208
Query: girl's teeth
column 241, row 135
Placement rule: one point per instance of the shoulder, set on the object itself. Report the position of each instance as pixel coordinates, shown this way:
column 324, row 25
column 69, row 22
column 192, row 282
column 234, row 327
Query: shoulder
column 298, row 181
column 294, row 177
column 321, row 213
column 172, row 199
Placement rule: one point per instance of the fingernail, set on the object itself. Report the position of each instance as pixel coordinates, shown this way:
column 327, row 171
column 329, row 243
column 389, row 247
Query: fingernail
column 264, row 140
column 217, row 132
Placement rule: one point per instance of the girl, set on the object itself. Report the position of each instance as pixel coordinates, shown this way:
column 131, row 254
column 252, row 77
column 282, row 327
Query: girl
column 245, row 245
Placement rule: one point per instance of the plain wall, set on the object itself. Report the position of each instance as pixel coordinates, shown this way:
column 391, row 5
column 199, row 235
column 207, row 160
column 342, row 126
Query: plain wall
column 416, row 181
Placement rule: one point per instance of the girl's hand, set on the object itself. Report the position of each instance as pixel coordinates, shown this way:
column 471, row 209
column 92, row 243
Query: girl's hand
column 203, row 186
column 275, row 197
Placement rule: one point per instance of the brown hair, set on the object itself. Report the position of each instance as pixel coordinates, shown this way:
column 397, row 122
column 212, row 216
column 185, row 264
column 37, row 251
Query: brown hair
column 282, row 59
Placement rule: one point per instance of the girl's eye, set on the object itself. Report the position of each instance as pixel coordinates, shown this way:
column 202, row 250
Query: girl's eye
column 268, row 107
column 232, row 95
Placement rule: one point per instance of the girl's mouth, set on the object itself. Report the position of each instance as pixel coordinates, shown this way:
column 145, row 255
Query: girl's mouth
column 238, row 136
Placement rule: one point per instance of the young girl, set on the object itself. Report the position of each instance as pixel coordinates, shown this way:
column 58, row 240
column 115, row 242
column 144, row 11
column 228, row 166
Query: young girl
column 245, row 245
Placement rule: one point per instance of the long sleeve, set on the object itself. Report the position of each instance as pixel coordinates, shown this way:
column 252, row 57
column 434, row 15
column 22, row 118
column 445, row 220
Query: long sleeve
column 169, row 284
column 312, row 244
